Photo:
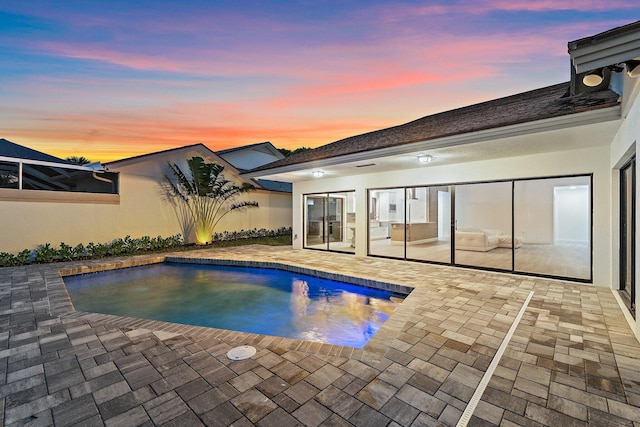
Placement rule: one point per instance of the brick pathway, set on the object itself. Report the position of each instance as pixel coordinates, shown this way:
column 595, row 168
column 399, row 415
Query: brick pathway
column 572, row 359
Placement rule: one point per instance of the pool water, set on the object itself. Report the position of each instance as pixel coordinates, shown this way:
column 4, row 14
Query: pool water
column 245, row 299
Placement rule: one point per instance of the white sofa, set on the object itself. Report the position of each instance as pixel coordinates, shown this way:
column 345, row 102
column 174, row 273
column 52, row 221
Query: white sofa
column 482, row 240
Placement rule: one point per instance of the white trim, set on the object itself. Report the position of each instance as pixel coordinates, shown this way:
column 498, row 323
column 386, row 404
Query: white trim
column 599, row 54
column 44, row 163
column 627, row 314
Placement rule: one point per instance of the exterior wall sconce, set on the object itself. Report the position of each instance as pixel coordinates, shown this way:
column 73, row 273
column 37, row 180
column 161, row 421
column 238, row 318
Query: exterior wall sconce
column 424, row 159
column 317, row 174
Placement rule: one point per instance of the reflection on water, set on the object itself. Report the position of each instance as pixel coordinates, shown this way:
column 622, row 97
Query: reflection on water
column 255, row 300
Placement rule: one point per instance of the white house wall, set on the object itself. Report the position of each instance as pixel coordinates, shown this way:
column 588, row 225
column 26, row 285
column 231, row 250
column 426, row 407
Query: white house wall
column 624, row 146
column 142, row 194
column 139, row 210
column 27, row 224
column 588, row 161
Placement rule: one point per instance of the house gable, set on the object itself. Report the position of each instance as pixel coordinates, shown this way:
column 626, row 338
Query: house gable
column 251, row 156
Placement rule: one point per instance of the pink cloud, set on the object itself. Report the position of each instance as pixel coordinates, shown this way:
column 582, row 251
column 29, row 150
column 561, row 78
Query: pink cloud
column 548, row 5
column 286, row 83
column 113, row 56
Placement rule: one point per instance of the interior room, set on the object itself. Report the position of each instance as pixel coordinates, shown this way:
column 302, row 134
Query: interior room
column 540, row 226
column 330, row 221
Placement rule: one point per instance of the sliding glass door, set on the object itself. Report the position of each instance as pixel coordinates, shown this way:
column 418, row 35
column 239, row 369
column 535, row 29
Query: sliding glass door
column 483, row 225
column 387, row 222
column 330, row 221
column 428, row 228
column 553, row 226
column 538, row 226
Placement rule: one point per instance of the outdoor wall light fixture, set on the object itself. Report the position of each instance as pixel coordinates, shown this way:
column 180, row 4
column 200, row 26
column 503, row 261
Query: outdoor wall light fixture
column 317, row 174
column 424, row 159
column 595, row 77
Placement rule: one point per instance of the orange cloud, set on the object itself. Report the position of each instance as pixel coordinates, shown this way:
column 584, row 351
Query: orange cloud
column 115, row 136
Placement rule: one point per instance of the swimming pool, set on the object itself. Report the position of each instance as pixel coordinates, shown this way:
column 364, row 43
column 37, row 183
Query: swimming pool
column 246, row 299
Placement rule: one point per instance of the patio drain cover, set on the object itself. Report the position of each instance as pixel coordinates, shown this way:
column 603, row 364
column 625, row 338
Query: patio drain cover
column 241, row 353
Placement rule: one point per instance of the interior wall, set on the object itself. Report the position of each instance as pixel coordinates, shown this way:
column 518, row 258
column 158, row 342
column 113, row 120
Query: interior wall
column 534, row 208
column 484, row 206
column 570, row 213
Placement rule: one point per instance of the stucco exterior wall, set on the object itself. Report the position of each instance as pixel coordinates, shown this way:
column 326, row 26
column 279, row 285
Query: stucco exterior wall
column 623, row 148
column 72, row 220
column 142, row 193
column 140, row 209
column 588, row 161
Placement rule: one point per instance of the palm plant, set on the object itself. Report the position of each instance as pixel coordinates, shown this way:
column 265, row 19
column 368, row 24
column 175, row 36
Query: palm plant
column 206, row 195
column 78, row 160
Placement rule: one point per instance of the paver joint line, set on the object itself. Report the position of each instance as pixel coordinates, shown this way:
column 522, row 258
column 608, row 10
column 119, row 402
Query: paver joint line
column 475, row 399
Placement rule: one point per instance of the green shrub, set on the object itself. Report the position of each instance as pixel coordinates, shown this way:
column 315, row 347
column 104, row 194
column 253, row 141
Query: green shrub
column 65, row 252
column 45, row 253
column 24, row 257
column 79, row 252
column 251, row 234
column 7, row 259
column 97, row 250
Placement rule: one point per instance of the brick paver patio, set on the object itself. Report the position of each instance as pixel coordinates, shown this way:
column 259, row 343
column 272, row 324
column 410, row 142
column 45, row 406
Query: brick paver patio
column 571, row 360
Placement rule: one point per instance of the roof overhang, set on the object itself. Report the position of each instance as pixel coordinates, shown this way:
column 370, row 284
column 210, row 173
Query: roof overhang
column 608, row 48
column 590, row 128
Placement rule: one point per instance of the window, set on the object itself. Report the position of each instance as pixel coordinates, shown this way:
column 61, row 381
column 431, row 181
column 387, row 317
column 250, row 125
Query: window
column 47, row 176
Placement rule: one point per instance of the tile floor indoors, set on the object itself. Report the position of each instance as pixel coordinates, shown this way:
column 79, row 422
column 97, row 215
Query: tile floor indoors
column 568, row 356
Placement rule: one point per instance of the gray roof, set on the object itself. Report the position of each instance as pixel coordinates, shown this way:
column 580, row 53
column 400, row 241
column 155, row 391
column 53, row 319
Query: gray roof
column 539, row 104
column 243, row 147
column 11, row 149
column 605, row 35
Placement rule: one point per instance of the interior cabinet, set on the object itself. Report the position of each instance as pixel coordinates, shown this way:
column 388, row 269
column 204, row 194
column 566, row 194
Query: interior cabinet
column 418, row 231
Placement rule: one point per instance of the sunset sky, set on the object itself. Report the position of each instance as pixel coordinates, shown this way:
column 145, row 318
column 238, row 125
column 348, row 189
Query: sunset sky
column 113, row 79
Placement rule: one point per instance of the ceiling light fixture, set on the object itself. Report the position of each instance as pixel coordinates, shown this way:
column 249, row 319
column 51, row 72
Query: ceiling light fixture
column 317, row 174
column 424, row 159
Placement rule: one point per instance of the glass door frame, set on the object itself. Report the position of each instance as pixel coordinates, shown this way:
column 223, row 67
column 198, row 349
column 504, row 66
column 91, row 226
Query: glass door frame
column 628, row 232
column 512, row 270
column 326, row 226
